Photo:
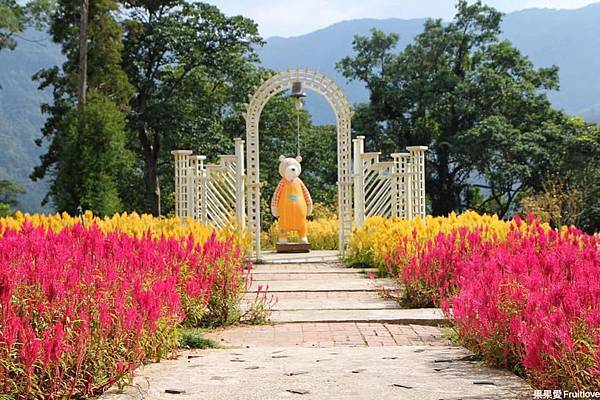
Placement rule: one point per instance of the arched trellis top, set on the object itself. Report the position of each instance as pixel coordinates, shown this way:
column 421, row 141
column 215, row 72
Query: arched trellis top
column 312, row 80
column 341, row 107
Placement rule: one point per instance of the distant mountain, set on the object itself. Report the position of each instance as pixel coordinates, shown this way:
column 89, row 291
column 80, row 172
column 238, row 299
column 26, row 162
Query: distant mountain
column 567, row 38
column 322, row 49
column 20, row 117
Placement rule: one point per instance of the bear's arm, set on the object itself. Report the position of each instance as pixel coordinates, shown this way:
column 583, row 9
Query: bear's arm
column 276, row 198
column 307, row 198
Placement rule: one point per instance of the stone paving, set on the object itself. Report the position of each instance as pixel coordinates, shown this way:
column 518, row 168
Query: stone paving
column 333, row 337
column 344, row 373
column 331, row 292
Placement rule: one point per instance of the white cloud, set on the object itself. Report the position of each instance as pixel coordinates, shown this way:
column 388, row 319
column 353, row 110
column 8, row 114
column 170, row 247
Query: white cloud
column 297, row 17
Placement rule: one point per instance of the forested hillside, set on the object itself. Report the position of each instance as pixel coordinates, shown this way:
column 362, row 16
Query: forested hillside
column 20, row 115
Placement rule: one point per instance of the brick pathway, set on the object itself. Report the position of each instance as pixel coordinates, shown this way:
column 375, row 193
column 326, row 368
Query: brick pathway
column 329, row 335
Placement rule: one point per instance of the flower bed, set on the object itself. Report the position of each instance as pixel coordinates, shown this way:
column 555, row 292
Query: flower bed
column 82, row 307
column 322, row 234
column 520, row 294
column 532, row 303
column 133, row 224
column 377, row 240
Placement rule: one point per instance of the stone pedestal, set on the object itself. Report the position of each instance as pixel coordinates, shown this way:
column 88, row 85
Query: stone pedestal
column 293, row 247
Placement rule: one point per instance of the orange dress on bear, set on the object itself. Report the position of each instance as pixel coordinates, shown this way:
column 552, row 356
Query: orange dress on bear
column 292, row 201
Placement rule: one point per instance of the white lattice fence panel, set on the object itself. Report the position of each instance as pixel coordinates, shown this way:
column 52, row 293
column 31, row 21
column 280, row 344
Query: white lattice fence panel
column 220, row 186
column 378, row 199
column 388, row 188
column 182, row 171
column 211, row 193
column 401, row 182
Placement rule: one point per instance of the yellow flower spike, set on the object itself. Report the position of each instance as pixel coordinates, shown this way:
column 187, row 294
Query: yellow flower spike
column 378, row 237
column 130, row 224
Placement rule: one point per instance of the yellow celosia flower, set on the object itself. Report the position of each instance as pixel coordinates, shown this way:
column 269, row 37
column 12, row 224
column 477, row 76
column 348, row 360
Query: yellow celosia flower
column 322, row 234
column 379, row 237
column 131, row 224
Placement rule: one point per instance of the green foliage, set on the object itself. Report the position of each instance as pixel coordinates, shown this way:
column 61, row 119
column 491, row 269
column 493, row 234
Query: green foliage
column 191, row 67
column 94, row 158
column 104, row 159
column 576, row 163
column 192, row 338
column 5, row 210
column 8, row 193
column 86, row 159
column 319, row 163
column 12, row 20
column 475, row 100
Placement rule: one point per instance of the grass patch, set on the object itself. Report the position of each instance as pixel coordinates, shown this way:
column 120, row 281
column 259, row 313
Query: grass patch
column 451, row 334
column 192, row 338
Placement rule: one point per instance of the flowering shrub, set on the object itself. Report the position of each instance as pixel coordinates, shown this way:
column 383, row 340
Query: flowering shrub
column 527, row 298
column 427, row 270
column 80, row 308
column 377, row 240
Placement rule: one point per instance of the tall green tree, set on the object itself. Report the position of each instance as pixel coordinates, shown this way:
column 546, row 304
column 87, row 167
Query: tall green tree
column 87, row 156
column 577, row 164
column 189, row 64
column 474, row 99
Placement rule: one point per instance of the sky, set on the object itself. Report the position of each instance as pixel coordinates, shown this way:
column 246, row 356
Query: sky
column 297, row 17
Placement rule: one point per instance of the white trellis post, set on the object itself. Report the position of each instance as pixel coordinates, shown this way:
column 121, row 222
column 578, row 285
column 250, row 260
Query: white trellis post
column 198, row 181
column 417, row 155
column 239, row 182
column 181, row 166
column 401, row 196
column 359, row 181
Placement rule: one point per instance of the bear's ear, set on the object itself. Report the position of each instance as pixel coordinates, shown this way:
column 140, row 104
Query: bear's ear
column 281, row 158
column 299, row 158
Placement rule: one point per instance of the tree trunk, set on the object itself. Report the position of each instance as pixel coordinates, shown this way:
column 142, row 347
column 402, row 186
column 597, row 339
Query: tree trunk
column 151, row 181
column 83, row 50
column 444, row 196
column 151, row 146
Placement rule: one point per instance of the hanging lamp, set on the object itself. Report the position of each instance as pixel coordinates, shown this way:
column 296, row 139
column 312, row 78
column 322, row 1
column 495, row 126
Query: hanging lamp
column 298, row 95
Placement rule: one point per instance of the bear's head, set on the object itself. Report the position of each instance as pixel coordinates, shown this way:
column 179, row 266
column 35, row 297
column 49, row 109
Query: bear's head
column 289, row 168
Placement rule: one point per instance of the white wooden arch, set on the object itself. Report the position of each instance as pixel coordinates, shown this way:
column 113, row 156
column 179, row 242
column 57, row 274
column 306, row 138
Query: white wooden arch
column 341, row 107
